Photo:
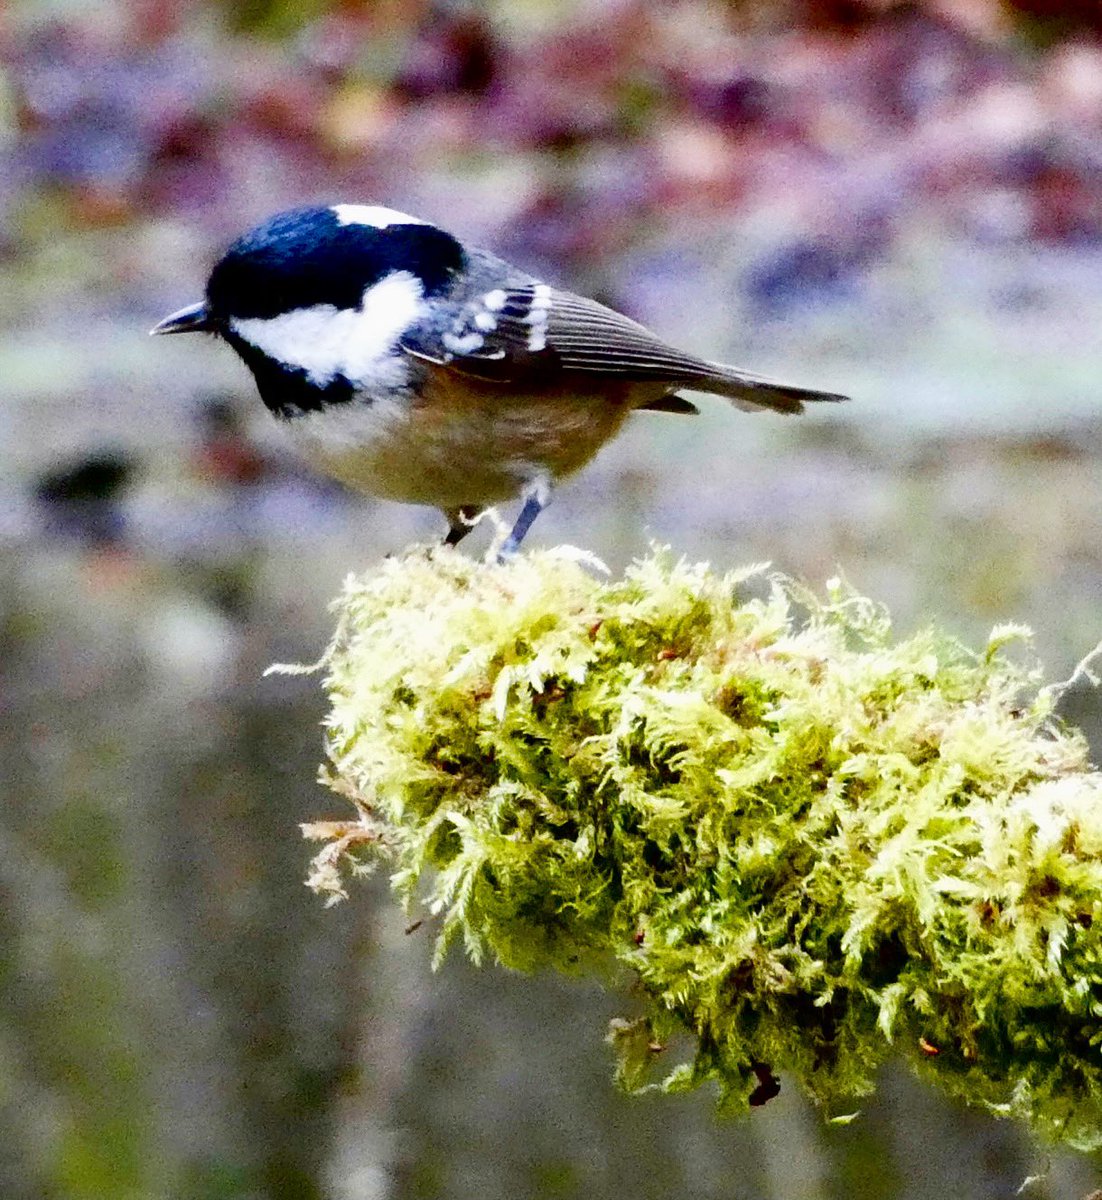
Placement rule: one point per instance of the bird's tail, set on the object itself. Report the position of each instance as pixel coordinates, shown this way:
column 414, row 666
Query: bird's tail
column 752, row 392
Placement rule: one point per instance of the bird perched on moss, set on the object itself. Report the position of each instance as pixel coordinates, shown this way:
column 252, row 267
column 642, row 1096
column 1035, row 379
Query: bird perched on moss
column 413, row 367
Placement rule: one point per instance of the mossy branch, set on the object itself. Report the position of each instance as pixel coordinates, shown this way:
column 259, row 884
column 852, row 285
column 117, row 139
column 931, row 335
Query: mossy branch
column 814, row 848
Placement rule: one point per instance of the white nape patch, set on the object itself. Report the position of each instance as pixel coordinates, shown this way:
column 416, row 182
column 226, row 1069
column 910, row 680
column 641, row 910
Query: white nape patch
column 358, row 343
column 538, row 313
column 495, row 301
column 374, row 215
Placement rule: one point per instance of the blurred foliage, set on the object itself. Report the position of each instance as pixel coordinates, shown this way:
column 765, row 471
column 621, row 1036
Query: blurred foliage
column 628, row 111
column 1047, row 21
column 902, row 200
column 1044, row 20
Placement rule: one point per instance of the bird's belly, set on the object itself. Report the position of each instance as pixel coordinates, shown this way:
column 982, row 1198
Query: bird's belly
column 481, row 451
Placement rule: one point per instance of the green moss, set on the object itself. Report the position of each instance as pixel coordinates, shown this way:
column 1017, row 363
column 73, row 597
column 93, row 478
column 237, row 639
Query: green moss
column 813, row 846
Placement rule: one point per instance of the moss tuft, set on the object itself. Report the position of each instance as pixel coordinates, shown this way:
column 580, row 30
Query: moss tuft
column 813, row 846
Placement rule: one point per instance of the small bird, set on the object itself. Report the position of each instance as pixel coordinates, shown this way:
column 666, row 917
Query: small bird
column 412, row 367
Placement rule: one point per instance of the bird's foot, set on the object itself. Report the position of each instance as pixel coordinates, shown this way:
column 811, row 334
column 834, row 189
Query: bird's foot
column 461, row 521
column 536, row 497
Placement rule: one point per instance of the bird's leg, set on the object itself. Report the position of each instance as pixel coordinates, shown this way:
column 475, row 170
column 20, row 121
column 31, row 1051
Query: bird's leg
column 460, row 522
column 536, row 494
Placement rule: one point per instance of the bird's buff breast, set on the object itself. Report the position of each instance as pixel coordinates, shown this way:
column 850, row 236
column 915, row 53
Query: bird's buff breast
column 480, row 447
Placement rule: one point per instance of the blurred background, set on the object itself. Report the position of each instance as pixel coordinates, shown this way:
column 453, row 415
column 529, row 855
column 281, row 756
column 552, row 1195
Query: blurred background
column 902, row 201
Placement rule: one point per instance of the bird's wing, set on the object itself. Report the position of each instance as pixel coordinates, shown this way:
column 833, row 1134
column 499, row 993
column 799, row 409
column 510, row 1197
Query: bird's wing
column 536, row 332
column 534, row 329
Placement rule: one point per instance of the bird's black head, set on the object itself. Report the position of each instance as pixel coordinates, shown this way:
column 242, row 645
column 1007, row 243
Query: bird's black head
column 315, row 300
column 312, row 256
column 319, row 256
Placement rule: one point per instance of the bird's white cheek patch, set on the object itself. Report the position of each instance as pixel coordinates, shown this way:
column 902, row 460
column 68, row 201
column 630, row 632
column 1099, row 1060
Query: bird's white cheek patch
column 325, row 341
column 389, row 308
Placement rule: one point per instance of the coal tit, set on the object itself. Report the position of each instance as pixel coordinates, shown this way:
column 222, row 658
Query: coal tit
column 415, row 368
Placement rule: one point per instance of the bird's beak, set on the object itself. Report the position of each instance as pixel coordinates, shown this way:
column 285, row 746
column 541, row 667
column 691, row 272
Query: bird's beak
column 193, row 319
